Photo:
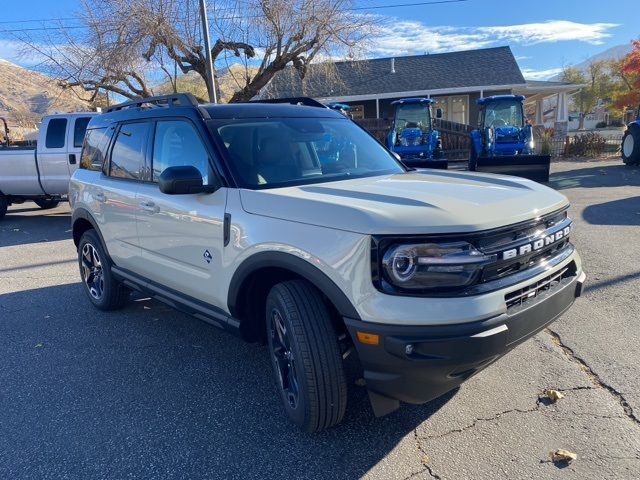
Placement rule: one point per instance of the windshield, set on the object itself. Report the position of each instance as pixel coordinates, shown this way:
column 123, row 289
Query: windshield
column 412, row 115
column 269, row 153
column 503, row 113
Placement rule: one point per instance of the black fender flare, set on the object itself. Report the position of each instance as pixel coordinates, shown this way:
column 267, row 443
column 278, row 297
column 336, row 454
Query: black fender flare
column 84, row 214
column 296, row 265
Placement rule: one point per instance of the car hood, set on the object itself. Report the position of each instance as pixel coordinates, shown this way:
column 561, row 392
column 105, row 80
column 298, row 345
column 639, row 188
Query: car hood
column 419, row 202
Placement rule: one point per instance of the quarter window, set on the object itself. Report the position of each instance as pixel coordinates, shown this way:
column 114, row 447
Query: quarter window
column 127, row 156
column 79, row 129
column 56, row 131
column 178, row 144
column 94, row 148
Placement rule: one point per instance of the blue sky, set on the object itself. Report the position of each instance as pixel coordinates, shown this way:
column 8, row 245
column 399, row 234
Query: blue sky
column 543, row 34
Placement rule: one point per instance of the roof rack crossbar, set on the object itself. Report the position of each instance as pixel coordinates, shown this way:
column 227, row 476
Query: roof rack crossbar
column 169, row 101
column 306, row 101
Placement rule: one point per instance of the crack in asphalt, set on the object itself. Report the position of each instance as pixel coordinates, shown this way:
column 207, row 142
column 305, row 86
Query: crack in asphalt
column 595, row 378
column 428, row 468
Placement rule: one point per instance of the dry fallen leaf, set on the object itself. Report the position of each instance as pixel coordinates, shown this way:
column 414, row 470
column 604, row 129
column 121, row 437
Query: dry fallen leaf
column 425, row 460
column 360, row 382
column 562, row 455
column 553, row 395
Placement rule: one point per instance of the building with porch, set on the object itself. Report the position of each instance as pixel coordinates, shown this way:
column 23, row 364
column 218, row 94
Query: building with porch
column 455, row 80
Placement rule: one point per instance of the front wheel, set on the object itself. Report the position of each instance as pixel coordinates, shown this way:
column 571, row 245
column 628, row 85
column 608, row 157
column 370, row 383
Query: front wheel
column 631, row 145
column 305, row 355
column 473, row 160
column 103, row 290
column 46, row 203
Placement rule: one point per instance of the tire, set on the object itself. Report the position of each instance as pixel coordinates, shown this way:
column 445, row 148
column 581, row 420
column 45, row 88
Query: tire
column 103, row 290
column 46, row 204
column 305, row 355
column 4, row 204
column 631, row 145
column 473, row 160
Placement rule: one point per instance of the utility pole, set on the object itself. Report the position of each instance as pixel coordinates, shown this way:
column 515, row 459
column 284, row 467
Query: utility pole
column 211, row 82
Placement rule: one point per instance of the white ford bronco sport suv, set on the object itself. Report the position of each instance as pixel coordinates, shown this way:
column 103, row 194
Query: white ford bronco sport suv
column 291, row 225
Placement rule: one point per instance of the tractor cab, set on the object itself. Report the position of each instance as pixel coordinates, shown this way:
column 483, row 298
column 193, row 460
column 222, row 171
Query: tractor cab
column 503, row 126
column 412, row 135
column 503, row 142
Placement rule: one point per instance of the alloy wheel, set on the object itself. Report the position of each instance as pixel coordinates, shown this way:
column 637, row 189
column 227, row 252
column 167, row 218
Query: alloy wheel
column 284, row 360
column 92, row 272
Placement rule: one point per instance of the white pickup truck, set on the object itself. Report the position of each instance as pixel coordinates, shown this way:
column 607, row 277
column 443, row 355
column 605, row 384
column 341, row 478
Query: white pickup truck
column 41, row 173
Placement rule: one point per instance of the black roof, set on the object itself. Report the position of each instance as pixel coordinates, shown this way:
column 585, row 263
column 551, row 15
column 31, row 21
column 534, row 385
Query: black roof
column 471, row 68
column 209, row 110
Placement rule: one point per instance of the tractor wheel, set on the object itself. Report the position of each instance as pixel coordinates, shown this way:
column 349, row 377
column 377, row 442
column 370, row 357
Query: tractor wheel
column 473, row 160
column 631, row 145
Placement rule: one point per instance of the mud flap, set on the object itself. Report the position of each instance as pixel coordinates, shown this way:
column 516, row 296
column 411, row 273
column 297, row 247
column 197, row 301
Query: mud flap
column 533, row 167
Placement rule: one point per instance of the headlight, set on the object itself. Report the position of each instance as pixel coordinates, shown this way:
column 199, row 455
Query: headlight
column 433, row 265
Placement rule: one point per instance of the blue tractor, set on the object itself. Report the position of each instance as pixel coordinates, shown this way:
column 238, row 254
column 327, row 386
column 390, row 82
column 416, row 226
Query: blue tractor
column 412, row 135
column 503, row 142
column 631, row 142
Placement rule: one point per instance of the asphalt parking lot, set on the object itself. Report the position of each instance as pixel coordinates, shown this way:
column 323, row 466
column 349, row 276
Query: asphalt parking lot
column 147, row 392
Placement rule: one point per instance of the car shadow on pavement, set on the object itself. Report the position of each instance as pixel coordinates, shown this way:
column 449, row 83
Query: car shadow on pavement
column 596, row 176
column 625, row 211
column 150, row 392
column 17, row 228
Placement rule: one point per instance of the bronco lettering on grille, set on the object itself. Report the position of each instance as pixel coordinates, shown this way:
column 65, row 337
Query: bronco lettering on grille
column 537, row 244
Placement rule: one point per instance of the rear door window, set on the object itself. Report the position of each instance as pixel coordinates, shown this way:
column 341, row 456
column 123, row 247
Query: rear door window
column 127, row 155
column 56, row 133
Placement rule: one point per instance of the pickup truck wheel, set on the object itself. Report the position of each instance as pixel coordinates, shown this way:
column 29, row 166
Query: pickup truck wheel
column 631, row 145
column 103, row 290
column 4, row 204
column 306, row 356
column 46, row 204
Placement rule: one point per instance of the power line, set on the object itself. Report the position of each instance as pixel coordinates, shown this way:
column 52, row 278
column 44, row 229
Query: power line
column 64, row 19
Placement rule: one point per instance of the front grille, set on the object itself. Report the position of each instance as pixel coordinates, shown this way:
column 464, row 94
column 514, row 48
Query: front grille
column 540, row 288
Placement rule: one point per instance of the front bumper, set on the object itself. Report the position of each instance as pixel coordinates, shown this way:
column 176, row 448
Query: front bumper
column 416, row 364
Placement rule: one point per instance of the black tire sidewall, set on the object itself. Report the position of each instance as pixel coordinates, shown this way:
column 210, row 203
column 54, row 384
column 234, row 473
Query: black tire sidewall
column 4, row 205
column 110, row 284
column 634, row 158
column 301, row 413
column 47, row 204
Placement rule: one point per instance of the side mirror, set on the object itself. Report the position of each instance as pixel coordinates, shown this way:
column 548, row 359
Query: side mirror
column 181, row 180
column 438, row 113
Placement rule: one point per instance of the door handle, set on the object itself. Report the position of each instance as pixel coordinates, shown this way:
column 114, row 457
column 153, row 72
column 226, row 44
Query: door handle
column 72, row 159
column 100, row 197
column 149, row 206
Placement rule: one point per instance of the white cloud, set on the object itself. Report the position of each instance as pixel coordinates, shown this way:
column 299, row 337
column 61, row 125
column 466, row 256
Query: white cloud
column 17, row 52
column 531, row 74
column 402, row 37
column 551, row 31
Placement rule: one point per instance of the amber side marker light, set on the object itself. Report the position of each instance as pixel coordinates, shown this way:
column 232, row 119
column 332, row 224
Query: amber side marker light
column 368, row 338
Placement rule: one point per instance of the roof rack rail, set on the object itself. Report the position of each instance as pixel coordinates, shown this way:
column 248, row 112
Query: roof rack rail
column 169, row 101
column 306, row 101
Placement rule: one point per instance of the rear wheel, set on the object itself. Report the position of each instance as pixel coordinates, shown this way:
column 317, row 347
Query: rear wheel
column 631, row 145
column 47, row 203
column 103, row 290
column 305, row 355
column 4, row 204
